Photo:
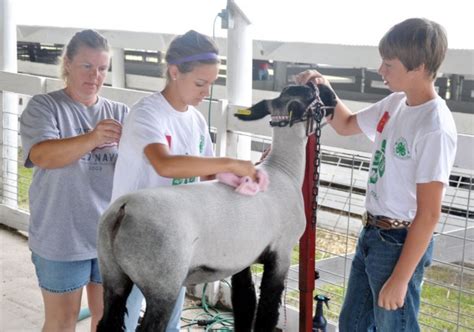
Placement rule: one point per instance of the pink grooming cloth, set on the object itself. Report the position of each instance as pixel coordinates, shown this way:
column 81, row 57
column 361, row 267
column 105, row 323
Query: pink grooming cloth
column 244, row 184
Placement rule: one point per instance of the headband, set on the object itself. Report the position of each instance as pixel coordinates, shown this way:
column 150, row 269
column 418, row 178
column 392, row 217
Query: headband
column 195, row 57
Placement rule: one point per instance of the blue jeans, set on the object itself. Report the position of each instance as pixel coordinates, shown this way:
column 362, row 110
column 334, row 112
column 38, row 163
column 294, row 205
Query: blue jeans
column 375, row 258
column 134, row 304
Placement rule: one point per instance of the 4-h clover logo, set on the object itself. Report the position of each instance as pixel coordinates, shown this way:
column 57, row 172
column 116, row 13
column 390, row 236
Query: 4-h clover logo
column 201, row 144
column 378, row 164
column 400, row 148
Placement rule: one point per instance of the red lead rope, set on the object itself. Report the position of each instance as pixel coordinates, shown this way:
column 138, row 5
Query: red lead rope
column 307, row 241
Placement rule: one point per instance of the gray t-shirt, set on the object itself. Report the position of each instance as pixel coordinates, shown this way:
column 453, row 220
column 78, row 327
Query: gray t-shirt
column 66, row 203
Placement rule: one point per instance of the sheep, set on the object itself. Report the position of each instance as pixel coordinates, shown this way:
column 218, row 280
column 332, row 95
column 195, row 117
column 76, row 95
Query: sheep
column 164, row 238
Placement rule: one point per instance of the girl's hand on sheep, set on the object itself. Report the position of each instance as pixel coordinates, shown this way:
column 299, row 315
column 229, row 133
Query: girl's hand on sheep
column 311, row 75
column 244, row 168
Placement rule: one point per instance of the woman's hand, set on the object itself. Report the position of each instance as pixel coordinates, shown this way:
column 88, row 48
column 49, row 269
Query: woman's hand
column 57, row 153
column 107, row 131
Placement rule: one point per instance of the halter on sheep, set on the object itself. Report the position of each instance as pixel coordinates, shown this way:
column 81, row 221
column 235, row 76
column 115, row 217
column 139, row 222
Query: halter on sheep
column 164, row 238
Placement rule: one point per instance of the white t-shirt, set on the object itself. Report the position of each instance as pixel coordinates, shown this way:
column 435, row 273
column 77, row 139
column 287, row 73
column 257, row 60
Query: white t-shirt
column 154, row 120
column 412, row 144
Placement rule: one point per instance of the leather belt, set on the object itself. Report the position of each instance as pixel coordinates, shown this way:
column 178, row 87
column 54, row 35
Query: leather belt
column 383, row 222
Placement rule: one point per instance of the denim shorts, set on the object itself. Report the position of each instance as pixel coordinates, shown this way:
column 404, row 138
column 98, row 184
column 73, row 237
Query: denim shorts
column 63, row 276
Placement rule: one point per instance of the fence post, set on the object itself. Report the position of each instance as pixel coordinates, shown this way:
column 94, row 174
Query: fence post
column 9, row 105
column 280, row 75
column 1, row 150
column 221, row 128
column 239, row 146
column 118, row 68
column 10, row 149
column 455, row 87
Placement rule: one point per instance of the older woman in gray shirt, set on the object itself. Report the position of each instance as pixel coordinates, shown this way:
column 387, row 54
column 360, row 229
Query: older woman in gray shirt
column 70, row 137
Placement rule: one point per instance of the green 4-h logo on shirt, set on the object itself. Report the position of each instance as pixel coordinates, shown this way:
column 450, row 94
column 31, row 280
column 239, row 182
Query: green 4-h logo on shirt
column 378, row 164
column 178, row 181
column 400, row 148
column 201, row 144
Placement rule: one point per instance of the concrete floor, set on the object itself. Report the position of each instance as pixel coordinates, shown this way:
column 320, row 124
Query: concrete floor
column 21, row 304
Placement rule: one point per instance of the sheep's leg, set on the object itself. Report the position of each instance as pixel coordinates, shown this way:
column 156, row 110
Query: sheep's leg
column 271, row 289
column 159, row 308
column 243, row 300
column 116, row 291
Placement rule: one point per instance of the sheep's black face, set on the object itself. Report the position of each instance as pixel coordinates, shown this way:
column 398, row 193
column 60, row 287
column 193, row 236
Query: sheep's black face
column 291, row 104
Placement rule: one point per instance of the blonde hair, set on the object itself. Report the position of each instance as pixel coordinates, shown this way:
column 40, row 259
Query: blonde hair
column 89, row 38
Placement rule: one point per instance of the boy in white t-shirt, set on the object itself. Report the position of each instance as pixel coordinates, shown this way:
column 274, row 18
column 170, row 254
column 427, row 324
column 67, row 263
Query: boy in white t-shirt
column 414, row 148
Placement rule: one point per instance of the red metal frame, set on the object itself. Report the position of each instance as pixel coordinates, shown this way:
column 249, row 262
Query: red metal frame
column 307, row 244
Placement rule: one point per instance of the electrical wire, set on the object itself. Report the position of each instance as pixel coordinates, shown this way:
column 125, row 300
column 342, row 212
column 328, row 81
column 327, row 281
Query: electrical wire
column 209, row 317
column 212, row 85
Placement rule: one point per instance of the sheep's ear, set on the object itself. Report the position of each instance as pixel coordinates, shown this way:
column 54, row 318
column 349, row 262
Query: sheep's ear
column 257, row 111
column 328, row 97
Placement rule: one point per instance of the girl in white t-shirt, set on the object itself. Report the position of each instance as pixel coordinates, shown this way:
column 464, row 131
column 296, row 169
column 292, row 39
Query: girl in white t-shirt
column 166, row 141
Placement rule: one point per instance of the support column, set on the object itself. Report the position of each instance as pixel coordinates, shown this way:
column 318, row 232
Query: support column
column 239, row 71
column 239, row 92
column 8, row 108
column 118, row 68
